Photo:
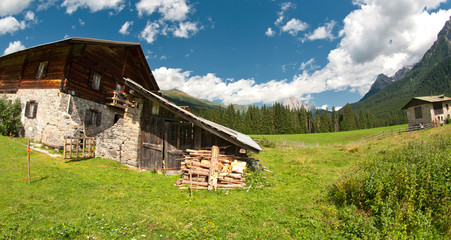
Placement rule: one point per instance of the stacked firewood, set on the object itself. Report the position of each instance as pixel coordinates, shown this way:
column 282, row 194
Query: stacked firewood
column 205, row 169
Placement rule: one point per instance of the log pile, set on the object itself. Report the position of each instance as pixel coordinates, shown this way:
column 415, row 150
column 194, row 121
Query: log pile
column 205, row 169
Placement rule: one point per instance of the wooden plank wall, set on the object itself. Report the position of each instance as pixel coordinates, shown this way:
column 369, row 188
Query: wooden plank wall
column 10, row 71
column 103, row 60
column 56, row 56
column 111, row 62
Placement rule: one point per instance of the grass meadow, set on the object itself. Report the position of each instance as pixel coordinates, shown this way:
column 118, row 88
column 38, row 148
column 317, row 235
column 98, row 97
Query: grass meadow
column 101, row 199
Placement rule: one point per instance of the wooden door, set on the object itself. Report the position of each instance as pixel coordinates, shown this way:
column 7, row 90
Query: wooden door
column 152, row 143
column 178, row 137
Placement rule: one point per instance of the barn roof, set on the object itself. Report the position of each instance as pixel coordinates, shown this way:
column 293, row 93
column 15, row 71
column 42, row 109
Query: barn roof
column 228, row 134
column 428, row 99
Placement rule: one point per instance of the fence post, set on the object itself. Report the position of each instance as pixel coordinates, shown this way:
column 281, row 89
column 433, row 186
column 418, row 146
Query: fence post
column 28, row 160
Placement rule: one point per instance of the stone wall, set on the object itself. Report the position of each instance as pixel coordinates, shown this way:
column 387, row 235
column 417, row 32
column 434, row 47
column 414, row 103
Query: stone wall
column 59, row 114
column 121, row 141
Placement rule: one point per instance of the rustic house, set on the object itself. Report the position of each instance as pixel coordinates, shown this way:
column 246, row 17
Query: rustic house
column 429, row 109
column 105, row 89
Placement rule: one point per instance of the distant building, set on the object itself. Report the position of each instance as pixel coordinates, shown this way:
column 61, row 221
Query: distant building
column 429, row 109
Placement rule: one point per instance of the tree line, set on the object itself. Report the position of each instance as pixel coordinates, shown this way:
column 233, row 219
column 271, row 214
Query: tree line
column 279, row 119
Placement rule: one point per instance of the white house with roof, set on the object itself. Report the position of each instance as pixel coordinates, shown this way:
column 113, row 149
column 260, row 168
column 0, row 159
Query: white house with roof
column 428, row 109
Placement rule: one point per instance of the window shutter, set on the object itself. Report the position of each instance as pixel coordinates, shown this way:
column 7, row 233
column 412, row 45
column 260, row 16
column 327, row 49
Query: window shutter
column 99, row 119
column 27, row 109
column 87, row 116
column 35, row 110
column 90, row 79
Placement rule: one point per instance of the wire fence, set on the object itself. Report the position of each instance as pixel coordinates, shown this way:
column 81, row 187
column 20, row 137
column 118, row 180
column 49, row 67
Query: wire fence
column 372, row 137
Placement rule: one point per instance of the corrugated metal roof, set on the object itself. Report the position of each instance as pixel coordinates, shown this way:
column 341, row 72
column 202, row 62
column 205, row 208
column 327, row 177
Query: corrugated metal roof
column 228, row 134
column 430, row 99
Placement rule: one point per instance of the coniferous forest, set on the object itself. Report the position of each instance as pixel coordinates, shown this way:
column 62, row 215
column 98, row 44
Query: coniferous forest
column 279, row 119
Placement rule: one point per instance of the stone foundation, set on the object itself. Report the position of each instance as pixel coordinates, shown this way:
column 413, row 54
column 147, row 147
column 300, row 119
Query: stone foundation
column 59, row 114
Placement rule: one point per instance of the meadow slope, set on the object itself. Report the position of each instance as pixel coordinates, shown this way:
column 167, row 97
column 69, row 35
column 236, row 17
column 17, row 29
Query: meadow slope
column 101, row 199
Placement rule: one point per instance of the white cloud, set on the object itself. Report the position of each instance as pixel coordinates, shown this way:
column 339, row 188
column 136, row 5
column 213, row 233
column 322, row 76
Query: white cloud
column 172, row 10
column 14, row 47
column 174, row 19
column 93, row 5
column 294, row 26
column 378, row 37
column 10, row 25
column 150, row 32
column 45, row 4
column 270, row 32
column 125, row 28
column 324, row 107
column 185, row 30
column 323, row 32
column 381, row 37
column 12, row 7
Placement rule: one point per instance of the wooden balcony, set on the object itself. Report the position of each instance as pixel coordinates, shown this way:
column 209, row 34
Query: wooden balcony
column 120, row 101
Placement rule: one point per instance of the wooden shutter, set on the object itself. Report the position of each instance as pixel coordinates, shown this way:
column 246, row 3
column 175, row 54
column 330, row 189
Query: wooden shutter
column 35, row 109
column 98, row 119
column 27, row 110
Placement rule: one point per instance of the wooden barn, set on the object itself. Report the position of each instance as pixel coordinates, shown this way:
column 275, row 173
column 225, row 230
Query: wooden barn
column 106, row 89
column 428, row 109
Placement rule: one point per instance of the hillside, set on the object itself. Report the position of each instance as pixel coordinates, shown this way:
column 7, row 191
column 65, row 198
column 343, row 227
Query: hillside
column 183, row 99
column 431, row 76
column 196, row 104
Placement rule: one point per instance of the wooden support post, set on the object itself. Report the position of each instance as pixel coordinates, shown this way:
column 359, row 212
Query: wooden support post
column 64, row 147
column 191, row 178
column 70, row 147
column 77, row 148
column 28, row 160
column 83, row 147
column 213, row 175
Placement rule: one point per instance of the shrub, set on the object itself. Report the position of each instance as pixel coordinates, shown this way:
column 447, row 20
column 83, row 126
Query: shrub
column 406, row 192
column 268, row 143
column 10, row 117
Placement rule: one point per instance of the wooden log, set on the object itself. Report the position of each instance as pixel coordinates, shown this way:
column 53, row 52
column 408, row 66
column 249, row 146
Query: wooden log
column 212, row 175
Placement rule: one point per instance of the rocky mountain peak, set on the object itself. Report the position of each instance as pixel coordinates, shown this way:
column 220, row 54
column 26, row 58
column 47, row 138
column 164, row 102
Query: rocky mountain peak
column 294, row 103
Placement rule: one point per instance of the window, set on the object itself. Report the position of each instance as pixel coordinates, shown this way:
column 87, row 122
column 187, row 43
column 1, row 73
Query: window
column 95, row 80
column 41, row 71
column 93, row 117
column 438, row 109
column 418, row 113
column 31, row 109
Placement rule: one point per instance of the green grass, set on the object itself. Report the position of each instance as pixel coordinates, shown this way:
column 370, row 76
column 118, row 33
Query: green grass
column 325, row 139
column 99, row 198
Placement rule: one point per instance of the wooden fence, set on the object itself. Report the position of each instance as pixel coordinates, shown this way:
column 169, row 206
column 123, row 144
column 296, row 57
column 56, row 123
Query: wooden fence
column 78, row 147
column 392, row 132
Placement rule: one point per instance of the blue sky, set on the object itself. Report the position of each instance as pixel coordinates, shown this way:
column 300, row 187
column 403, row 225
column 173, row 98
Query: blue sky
column 324, row 52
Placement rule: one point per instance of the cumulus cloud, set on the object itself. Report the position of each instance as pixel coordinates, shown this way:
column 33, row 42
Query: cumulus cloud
column 186, row 29
column 12, row 7
column 294, row 26
column 14, row 47
column 382, row 37
column 322, row 32
column 10, row 25
column 150, row 32
column 174, row 19
column 270, row 32
column 125, row 28
column 378, row 37
column 93, row 5
column 172, row 10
